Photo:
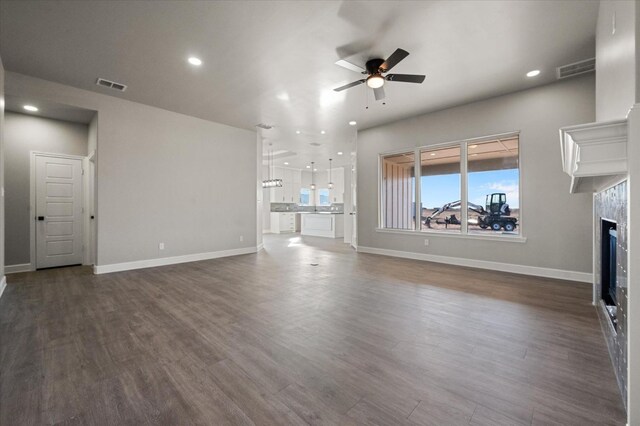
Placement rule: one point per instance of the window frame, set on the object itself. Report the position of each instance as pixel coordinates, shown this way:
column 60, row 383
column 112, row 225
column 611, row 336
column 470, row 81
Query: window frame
column 464, row 231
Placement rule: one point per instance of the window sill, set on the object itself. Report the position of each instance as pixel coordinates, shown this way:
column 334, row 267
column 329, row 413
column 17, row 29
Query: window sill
column 504, row 237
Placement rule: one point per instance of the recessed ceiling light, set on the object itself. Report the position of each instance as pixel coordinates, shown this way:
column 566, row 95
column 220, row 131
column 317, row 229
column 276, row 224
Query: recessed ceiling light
column 298, row 132
column 308, row 167
column 286, row 164
column 433, row 154
column 315, row 170
column 473, row 146
column 30, row 108
column 352, row 123
column 283, row 96
column 339, row 152
column 322, row 132
column 533, row 73
column 195, row 61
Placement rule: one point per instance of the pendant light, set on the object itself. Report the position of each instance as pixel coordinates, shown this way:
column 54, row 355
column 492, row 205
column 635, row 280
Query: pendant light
column 271, row 183
column 330, row 184
column 313, row 185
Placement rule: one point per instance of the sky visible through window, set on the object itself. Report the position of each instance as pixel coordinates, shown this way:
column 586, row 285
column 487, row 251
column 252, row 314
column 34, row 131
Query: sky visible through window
column 441, row 189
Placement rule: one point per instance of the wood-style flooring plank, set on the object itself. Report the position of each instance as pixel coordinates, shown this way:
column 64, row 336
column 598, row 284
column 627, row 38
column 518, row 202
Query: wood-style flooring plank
column 268, row 338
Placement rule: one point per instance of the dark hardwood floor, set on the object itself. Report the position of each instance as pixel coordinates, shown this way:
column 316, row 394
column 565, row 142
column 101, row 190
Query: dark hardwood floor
column 268, row 339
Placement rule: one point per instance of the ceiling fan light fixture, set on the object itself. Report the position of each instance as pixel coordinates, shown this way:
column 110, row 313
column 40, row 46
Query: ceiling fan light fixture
column 375, row 81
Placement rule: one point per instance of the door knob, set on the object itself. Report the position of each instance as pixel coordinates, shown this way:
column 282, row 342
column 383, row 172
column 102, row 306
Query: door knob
column 40, row 217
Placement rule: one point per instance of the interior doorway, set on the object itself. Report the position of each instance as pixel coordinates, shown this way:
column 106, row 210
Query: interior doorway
column 50, row 154
column 354, row 203
column 58, row 214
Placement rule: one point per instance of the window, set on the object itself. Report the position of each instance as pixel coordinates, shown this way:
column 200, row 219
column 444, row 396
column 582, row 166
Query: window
column 305, row 196
column 398, row 191
column 323, row 197
column 440, row 189
column 481, row 174
column 493, row 186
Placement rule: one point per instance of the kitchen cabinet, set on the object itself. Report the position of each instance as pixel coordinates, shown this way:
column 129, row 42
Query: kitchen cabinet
column 283, row 222
column 323, row 224
column 289, row 192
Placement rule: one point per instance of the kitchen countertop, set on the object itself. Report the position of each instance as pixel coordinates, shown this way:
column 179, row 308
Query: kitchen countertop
column 320, row 212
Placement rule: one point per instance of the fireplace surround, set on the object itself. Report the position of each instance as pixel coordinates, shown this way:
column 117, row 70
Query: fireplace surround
column 610, row 274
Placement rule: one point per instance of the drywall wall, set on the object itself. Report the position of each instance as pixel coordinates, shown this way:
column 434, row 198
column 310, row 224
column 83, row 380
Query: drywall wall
column 93, row 135
column 2, row 192
column 615, row 59
column 162, row 177
column 557, row 225
column 23, row 134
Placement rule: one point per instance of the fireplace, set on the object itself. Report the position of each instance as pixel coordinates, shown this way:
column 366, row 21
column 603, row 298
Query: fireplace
column 608, row 279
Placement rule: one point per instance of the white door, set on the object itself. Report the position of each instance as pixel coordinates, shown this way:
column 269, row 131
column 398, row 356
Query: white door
column 58, row 212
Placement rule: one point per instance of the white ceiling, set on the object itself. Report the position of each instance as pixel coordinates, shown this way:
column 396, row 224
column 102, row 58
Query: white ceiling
column 273, row 61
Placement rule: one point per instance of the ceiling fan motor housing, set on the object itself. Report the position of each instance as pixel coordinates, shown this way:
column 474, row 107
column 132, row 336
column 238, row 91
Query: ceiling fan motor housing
column 373, row 65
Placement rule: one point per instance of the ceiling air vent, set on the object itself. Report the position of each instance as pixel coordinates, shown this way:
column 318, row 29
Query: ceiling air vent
column 264, row 126
column 577, row 68
column 111, row 85
column 315, row 144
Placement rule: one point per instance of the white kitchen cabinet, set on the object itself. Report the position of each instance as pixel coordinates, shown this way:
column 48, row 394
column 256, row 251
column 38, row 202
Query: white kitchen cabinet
column 289, row 192
column 277, row 193
column 323, row 225
column 283, row 222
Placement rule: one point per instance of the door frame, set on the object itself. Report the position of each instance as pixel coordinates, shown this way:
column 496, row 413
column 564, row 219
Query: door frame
column 32, row 202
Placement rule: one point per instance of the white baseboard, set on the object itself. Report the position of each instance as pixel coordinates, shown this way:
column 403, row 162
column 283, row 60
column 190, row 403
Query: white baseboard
column 485, row 264
column 150, row 263
column 3, row 285
column 260, row 247
column 14, row 269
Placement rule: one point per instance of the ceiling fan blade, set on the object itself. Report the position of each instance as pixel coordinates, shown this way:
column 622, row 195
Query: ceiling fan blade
column 379, row 93
column 348, row 65
column 393, row 60
column 405, row 78
column 347, row 86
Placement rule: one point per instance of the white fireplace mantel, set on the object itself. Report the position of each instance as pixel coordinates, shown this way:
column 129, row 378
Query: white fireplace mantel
column 594, row 154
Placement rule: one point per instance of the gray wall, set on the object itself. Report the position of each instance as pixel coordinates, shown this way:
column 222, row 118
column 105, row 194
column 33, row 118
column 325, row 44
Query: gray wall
column 23, row 134
column 616, row 60
column 162, row 177
column 1, row 172
column 557, row 225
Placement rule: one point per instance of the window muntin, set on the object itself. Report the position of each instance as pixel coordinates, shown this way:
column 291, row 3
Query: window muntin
column 398, row 191
column 464, row 172
column 440, row 189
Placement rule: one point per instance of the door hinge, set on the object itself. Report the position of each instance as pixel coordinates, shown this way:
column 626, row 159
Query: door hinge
column 82, row 171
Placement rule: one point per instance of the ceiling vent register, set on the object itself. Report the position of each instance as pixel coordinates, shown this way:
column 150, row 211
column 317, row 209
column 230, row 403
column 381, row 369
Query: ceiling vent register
column 111, row 85
column 576, row 68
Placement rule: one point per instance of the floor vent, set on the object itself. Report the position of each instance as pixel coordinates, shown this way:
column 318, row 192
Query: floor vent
column 111, row 85
column 577, row 68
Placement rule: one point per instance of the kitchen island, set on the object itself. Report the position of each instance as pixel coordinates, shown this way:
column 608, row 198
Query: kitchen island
column 321, row 224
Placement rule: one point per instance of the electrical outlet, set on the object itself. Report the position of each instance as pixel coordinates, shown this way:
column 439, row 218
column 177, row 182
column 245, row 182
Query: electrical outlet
column 241, row 238
column 161, row 246
column 426, row 241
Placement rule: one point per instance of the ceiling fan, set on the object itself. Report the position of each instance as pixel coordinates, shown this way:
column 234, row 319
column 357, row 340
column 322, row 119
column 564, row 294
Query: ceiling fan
column 374, row 70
